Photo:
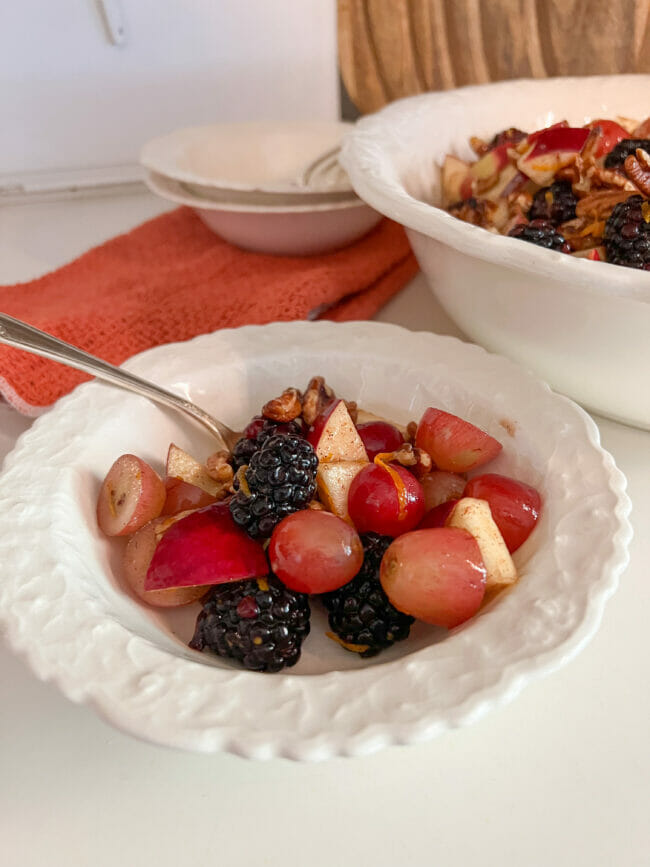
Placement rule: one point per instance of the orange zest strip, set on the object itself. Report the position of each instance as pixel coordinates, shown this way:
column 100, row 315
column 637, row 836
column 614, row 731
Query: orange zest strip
column 383, row 460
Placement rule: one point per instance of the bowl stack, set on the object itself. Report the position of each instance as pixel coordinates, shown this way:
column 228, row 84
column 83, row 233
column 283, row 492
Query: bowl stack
column 270, row 187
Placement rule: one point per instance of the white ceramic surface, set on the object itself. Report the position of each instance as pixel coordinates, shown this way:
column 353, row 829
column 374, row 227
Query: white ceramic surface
column 262, row 157
column 582, row 326
column 289, row 229
column 64, row 609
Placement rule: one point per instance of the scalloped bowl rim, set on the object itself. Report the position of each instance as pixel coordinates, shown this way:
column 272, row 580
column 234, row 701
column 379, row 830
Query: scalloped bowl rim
column 375, row 179
column 337, row 736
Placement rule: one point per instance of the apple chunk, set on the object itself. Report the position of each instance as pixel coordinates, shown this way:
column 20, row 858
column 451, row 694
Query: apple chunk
column 475, row 517
column 205, row 547
column 333, row 480
column 181, row 465
column 334, row 436
column 137, row 557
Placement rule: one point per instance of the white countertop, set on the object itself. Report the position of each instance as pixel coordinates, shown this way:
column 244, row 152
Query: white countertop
column 559, row 777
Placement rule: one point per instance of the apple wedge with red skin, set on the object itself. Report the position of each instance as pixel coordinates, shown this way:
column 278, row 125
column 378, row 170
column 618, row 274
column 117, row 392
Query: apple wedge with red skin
column 334, row 436
column 135, row 563
column 206, row 547
column 515, row 506
column 611, row 133
column 486, row 170
column 550, row 150
column 455, row 445
column 437, row 576
column 131, row 495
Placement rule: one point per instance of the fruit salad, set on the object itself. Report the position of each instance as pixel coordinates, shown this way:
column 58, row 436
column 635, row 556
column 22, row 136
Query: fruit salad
column 321, row 503
column 583, row 190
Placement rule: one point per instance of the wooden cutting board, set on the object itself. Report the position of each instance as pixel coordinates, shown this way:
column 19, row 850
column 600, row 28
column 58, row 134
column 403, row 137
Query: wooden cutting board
column 394, row 48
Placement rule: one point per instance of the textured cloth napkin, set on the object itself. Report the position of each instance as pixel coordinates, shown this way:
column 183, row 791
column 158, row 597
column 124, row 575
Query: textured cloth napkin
column 172, row 278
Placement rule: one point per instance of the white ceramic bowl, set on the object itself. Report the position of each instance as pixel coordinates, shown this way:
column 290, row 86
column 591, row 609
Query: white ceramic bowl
column 583, row 326
column 283, row 229
column 253, row 157
column 64, row 608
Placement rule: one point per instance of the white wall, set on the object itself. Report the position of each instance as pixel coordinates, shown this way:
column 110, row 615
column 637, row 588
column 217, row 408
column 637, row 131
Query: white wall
column 69, row 99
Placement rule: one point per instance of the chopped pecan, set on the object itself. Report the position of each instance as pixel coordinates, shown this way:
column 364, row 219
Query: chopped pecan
column 315, row 399
column 583, row 233
column 637, row 168
column 284, row 408
column 611, row 178
column 600, row 204
column 478, row 212
column 411, row 430
column 219, row 469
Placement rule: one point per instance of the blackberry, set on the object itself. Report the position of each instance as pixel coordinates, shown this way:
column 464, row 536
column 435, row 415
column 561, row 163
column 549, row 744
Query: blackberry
column 256, row 434
column 359, row 612
column 511, row 136
column 258, row 622
column 281, row 479
column 541, row 232
column 620, row 152
column 556, row 203
column 627, row 234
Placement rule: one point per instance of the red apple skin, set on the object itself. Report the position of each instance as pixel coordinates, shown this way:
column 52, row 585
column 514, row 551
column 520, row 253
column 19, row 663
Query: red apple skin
column 611, row 134
column 515, row 506
column 182, row 496
column 205, row 547
column 131, row 495
column 315, row 431
column 454, row 444
column 334, row 436
column 437, row 576
column 555, row 139
column 136, row 560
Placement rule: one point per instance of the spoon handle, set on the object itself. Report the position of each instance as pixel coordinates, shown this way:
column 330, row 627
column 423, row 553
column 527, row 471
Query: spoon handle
column 13, row 332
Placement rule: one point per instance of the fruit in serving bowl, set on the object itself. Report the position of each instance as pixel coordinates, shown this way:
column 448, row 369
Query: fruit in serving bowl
column 377, row 522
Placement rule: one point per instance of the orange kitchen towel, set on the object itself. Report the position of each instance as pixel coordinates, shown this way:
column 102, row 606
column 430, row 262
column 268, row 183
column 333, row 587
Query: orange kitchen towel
column 170, row 279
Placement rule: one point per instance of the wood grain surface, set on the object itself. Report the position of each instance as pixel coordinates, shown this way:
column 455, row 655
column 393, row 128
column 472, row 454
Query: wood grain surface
column 394, row 48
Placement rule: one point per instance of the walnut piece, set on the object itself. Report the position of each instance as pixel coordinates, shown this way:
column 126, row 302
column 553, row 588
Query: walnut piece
column 285, row 408
column 219, row 469
column 411, row 430
column 315, row 399
column 637, row 168
column 418, row 461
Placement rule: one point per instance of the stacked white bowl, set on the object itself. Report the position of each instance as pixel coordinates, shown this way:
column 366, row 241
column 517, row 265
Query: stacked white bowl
column 270, row 187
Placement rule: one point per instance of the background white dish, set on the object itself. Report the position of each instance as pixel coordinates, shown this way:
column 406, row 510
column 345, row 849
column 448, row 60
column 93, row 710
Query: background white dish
column 288, row 229
column 582, row 326
column 262, row 157
column 63, row 607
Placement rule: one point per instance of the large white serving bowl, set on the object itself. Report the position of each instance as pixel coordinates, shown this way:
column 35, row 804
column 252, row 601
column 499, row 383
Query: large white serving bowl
column 64, row 607
column 583, row 326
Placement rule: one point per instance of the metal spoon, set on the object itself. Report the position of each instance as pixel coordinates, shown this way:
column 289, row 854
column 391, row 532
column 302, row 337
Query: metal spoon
column 16, row 333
